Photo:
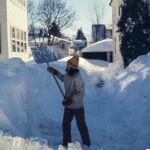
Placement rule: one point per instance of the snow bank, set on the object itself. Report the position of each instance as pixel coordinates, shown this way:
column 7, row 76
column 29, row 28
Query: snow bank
column 125, row 107
column 26, row 98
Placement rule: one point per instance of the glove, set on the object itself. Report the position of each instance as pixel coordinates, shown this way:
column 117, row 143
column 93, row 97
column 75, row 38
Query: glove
column 53, row 70
column 67, row 102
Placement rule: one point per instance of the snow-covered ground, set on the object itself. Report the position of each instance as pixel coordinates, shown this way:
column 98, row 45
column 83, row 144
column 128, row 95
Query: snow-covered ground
column 117, row 114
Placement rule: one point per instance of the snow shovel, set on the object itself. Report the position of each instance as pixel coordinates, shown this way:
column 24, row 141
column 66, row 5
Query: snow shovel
column 57, row 82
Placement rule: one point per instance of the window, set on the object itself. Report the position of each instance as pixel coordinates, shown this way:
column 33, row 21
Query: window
column 25, row 47
column 22, row 47
column 21, row 35
column 18, row 46
column 13, row 32
column 25, row 38
column 18, row 40
column 13, row 45
column 18, row 34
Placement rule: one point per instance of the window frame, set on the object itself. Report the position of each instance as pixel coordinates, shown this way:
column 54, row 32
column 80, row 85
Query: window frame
column 13, row 44
column 18, row 40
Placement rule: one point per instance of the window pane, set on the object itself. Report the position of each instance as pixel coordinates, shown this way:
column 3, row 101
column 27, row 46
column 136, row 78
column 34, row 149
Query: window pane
column 22, row 47
column 18, row 46
column 25, row 38
column 18, row 34
column 13, row 32
column 25, row 47
column 13, row 45
column 22, row 35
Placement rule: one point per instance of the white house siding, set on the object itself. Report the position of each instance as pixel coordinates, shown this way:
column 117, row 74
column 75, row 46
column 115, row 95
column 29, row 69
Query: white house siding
column 3, row 31
column 116, row 10
column 16, row 17
column 116, row 36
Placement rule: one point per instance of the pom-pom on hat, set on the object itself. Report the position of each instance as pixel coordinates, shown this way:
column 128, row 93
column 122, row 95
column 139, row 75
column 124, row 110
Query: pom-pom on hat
column 73, row 62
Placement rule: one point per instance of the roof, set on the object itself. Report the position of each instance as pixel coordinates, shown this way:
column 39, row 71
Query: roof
column 101, row 46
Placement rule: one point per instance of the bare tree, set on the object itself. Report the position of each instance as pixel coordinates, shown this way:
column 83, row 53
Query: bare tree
column 30, row 6
column 54, row 11
column 32, row 17
column 96, row 12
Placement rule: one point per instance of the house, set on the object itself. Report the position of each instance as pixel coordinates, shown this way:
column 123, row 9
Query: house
column 13, row 30
column 100, row 50
column 116, row 12
column 59, row 42
column 98, row 32
column 78, row 45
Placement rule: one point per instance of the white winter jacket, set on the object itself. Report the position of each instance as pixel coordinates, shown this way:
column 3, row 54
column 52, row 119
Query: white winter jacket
column 74, row 89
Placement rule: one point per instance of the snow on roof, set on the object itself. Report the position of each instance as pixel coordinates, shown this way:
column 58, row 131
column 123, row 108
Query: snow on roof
column 101, row 46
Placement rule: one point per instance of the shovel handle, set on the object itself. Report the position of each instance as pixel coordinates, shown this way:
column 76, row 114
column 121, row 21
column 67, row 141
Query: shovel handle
column 57, row 83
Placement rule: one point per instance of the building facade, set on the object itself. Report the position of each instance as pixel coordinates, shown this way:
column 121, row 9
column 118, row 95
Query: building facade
column 101, row 50
column 98, row 32
column 14, row 30
column 116, row 13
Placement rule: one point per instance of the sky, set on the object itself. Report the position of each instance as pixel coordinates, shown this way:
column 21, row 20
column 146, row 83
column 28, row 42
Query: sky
column 83, row 16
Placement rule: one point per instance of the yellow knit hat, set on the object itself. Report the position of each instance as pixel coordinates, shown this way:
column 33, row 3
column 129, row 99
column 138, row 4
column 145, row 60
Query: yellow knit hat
column 73, row 62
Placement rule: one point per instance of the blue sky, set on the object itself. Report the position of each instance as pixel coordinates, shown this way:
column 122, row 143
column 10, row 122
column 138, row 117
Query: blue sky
column 82, row 9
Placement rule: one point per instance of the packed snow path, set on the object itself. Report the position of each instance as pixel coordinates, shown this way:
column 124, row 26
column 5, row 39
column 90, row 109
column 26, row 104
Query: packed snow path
column 117, row 115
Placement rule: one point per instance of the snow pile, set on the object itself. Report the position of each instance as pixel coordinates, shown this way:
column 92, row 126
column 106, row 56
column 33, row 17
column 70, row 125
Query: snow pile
column 17, row 143
column 125, row 109
column 30, row 105
column 112, row 71
column 31, row 101
column 24, row 100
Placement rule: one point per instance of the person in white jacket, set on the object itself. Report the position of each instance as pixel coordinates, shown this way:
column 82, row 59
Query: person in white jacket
column 73, row 102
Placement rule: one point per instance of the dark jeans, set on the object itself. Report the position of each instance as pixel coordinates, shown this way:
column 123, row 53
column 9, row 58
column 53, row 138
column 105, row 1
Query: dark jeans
column 80, row 119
